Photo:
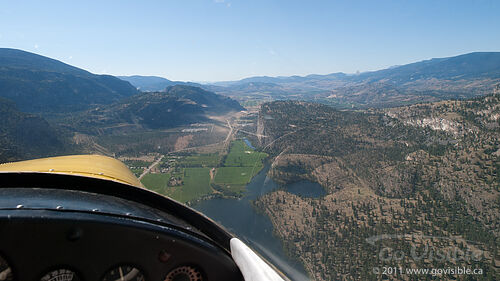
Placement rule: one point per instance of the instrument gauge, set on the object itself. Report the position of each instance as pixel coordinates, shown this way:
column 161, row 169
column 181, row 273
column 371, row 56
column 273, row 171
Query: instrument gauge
column 124, row 273
column 184, row 273
column 5, row 271
column 60, row 275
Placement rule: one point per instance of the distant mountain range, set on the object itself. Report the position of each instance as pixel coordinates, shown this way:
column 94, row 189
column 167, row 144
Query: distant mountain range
column 152, row 83
column 39, row 84
column 74, row 100
column 458, row 77
column 472, row 65
column 468, row 66
column 34, row 89
column 283, row 79
column 461, row 76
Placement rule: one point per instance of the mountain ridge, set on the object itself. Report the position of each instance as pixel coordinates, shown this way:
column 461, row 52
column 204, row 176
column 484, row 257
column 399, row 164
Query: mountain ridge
column 153, row 83
column 352, row 76
column 459, row 77
column 40, row 84
column 178, row 105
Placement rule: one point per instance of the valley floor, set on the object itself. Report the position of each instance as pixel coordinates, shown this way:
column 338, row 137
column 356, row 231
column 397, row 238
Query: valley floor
column 190, row 173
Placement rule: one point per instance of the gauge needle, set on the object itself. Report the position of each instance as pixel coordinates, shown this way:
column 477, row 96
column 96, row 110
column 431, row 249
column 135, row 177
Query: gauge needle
column 129, row 276
column 4, row 274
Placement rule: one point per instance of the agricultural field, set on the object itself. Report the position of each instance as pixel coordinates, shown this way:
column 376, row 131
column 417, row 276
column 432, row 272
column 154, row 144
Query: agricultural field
column 239, row 167
column 200, row 160
column 187, row 177
column 196, row 183
column 156, row 182
column 234, row 179
column 241, row 155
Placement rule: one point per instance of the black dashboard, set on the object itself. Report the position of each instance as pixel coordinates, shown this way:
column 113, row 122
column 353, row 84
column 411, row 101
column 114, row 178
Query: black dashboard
column 93, row 230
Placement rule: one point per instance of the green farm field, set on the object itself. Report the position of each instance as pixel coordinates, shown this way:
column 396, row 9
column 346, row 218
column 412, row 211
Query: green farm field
column 196, row 183
column 156, row 182
column 241, row 155
column 234, row 178
column 240, row 166
column 233, row 174
column 200, row 160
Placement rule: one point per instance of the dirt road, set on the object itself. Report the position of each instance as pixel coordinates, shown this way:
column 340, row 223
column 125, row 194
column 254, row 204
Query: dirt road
column 151, row 167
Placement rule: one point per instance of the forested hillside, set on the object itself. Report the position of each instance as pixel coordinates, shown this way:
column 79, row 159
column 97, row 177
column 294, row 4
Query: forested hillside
column 24, row 136
column 39, row 84
column 416, row 174
column 176, row 106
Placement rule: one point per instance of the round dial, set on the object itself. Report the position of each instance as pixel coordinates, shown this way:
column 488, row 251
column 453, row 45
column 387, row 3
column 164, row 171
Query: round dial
column 5, row 271
column 60, row 275
column 124, row 273
column 184, row 273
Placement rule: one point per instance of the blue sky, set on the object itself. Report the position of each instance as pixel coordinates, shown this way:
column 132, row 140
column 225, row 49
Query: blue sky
column 215, row 40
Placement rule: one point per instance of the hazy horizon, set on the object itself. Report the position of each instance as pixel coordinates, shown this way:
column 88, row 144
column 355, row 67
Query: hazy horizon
column 227, row 40
column 301, row 75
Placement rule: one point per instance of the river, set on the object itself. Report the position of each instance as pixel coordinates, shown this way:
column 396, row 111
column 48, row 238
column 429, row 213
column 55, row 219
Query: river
column 240, row 217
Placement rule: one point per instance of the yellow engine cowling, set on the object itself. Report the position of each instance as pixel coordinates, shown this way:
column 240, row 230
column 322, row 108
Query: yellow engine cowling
column 95, row 166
